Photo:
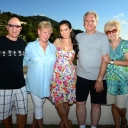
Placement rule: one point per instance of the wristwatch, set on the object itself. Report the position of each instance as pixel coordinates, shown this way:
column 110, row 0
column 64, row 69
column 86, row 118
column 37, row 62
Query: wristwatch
column 100, row 80
column 112, row 62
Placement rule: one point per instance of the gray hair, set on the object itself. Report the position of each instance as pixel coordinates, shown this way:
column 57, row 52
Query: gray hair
column 91, row 12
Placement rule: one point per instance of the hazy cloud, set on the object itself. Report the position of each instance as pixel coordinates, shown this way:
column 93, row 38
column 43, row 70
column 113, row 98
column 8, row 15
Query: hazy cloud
column 34, row 14
column 121, row 14
column 115, row 16
column 124, row 22
column 42, row 15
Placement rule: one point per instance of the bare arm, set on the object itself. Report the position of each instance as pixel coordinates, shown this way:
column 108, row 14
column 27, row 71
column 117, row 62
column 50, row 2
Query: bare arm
column 102, row 71
column 99, row 83
column 103, row 66
column 107, row 59
column 56, row 42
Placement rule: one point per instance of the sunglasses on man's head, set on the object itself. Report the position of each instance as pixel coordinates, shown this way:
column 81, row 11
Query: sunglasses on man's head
column 12, row 26
column 113, row 31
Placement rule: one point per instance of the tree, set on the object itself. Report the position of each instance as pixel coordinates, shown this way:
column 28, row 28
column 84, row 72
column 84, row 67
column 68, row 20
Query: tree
column 30, row 37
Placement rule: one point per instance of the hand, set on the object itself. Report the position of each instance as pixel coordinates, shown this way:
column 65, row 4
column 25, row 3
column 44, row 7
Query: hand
column 49, row 98
column 99, row 86
column 106, row 58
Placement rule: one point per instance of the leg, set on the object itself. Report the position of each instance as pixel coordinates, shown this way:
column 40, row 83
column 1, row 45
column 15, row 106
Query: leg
column 21, row 106
column 95, row 114
column 8, row 122
column 62, row 112
column 82, row 91
column 21, row 120
column 67, row 106
column 34, row 121
column 96, row 100
column 6, row 102
column 122, row 113
column 81, row 112
column 116, row 116
column 38, row 110
column 121, row 103
column 38, row 122
column 111, row 99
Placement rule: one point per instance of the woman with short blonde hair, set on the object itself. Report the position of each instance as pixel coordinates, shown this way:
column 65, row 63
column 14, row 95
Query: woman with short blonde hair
column 112, row 23
column 117, row 73
column 40, row 58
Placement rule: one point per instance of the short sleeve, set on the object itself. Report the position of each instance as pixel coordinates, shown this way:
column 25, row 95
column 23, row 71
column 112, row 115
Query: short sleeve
column 125, row 46
column 105, row 45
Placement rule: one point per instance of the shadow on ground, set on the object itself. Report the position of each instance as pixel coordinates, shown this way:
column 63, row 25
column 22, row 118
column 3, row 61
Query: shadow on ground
column 56, row 126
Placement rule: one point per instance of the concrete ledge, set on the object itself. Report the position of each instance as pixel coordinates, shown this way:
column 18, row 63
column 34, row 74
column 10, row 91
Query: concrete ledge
column 51, row 116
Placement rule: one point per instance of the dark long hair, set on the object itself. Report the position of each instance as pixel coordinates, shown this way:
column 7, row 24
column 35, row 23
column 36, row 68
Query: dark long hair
column 72, row 35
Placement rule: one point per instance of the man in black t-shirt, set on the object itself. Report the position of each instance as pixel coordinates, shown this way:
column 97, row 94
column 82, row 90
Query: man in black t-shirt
column 12, row 84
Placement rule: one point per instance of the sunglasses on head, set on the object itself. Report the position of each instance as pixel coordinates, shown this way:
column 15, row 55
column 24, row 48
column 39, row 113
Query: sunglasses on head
column 12, row 26
column 113, row 31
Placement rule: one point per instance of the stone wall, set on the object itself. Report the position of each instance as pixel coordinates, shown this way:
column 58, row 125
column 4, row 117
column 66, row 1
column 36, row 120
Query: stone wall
column 51, row 116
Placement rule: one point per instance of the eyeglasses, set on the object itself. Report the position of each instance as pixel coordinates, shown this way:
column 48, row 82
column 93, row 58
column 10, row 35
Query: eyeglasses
column 113, row 31
column 12, row 26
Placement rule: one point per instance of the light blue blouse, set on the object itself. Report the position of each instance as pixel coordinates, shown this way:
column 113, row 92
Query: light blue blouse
column 40, row 68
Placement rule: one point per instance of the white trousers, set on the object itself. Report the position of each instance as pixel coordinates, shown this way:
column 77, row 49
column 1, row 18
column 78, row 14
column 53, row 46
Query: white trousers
column 38, row 106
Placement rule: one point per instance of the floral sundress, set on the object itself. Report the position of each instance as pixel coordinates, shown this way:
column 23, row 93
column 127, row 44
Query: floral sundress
column 63, row 84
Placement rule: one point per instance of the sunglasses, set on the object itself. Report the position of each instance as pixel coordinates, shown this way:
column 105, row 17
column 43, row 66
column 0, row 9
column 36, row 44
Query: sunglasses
column 113, row 31
column 12, row 26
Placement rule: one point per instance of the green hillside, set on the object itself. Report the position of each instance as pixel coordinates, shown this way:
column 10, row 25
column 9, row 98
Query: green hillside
column 29, row 30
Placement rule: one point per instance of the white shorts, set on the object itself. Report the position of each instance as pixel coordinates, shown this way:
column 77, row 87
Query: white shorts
column 119, row 100
column 38, row 106
column 10, row 98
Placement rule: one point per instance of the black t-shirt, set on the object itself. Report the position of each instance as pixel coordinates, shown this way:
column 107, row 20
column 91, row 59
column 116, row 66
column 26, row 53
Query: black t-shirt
column 11, row 63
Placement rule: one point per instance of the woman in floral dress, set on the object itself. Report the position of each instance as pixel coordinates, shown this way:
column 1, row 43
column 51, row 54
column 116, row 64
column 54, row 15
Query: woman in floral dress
column 64, row 76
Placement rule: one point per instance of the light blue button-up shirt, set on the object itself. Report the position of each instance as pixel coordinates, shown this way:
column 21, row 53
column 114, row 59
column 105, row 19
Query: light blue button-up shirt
column 40, row 68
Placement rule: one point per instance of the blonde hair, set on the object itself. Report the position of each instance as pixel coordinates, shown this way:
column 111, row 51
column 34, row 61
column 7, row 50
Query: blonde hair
column 45, row 24
column 112, row 23
column 91, row 12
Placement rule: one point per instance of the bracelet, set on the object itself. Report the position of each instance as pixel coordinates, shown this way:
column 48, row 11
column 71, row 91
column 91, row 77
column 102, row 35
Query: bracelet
column 100, row 80
column 112, row 62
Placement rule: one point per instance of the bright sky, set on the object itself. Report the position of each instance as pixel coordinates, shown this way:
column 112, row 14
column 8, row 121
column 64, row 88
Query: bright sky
column 72, row 10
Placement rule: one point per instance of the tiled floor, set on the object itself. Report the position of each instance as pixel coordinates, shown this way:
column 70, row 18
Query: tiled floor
column 56, row 126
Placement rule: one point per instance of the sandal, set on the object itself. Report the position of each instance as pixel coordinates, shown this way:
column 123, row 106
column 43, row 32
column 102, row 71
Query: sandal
column 124, row 125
